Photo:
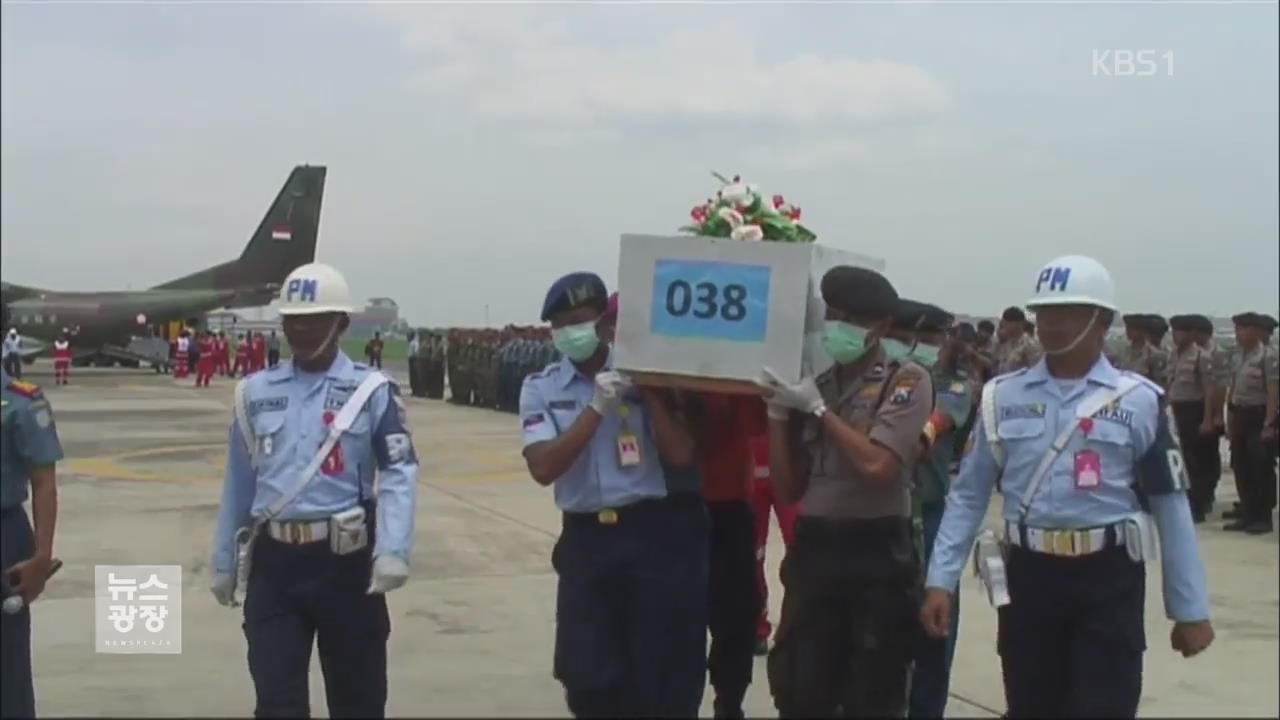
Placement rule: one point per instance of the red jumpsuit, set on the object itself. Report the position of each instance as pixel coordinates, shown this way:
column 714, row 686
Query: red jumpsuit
column 242, row 359
column 61, row 362
column 207, row 364
column 182, row 359
column 259, row 353
column 222, row 351
column 763, row 500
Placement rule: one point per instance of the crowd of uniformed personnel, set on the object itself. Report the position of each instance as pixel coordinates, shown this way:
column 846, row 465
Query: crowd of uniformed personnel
column 865, row 452
column 486, row 367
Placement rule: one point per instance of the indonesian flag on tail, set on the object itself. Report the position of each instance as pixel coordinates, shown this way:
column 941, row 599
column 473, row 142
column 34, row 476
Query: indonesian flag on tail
column 282, row 233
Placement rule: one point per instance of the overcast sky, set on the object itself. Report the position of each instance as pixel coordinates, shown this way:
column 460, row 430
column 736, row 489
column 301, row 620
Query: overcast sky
column 476, row 153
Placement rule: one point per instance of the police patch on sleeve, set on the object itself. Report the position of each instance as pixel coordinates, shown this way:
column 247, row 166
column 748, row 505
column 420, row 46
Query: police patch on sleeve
column 534, row 420
column 399, row 447
column 43, row 418
column 903, row 390
column 1161, row 470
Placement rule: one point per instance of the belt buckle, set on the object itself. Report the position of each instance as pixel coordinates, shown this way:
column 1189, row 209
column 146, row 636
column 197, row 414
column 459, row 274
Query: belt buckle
column 1064, row 543
column 295, row 533
column 608, row 516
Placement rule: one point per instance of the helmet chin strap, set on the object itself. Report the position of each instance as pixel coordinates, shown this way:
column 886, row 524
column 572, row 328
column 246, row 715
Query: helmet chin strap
column 1079, row 338
column 324, row 346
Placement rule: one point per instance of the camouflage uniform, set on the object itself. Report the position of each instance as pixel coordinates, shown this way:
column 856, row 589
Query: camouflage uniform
column 1016, row 354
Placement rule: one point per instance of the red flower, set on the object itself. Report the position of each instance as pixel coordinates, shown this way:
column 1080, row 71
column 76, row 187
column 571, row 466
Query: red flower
column 778, row 202
column 699, row 214
column 795, row 214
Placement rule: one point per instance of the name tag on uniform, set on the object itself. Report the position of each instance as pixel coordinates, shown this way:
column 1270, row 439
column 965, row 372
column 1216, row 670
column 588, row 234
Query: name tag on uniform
column 1088, row 473
column 628, row 449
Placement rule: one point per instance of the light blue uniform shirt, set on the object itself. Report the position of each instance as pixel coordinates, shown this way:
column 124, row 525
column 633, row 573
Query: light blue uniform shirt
column 288, row 410
column 30, row 438
column 550, row 402
column 1137, row 450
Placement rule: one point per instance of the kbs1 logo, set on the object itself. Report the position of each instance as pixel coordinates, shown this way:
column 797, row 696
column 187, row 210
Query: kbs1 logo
column 1132, row 63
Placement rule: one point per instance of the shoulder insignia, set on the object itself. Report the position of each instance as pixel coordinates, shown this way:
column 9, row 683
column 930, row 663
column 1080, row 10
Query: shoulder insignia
column 24, row 388
column 1151, row 385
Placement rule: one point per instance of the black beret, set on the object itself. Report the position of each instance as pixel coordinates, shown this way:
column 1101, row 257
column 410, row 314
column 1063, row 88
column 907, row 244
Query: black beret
column 913, row 315
column 1013, row 314
column 1271, row 323
column 1157, row 323
column 1202, row 323
column 1249, row 319
column 1135, row 319
column 1183, row 323
column 859, row 291
column 575, row 290
column 986, row 325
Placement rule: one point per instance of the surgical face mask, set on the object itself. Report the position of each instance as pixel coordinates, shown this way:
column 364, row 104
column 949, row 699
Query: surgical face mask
column 576, row 342
column 845, row 343
column 926, row 355
column 895, row 350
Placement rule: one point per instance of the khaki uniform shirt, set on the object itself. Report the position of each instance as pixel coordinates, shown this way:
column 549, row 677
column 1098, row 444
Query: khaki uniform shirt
column 1016, row 354
column 906, row 400
column 1192, row 373
column 1221, row 364
column 1146, row 360
column 1258, row 373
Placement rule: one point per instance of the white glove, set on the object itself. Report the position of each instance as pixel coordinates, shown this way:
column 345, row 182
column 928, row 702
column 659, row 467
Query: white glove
column 389, row 573
column 802, row 396
column 224, row 588
column 776, row 411
column 609, row 388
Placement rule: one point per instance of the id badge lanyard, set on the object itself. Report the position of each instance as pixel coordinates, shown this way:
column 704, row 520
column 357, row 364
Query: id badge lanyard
column 628, row 440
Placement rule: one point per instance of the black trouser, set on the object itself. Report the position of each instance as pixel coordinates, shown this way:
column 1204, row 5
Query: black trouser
column 849, row 619
column 17, row 693
column 631, row 610
column 1253, row 462
column 300, row 594
column 273, row 357
column 13, row 366
column 733, row 600
column 435, row 381
column 1071, row 638
column 1199, row 453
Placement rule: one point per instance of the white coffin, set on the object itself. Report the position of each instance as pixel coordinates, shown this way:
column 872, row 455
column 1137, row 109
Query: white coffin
column 721, row 309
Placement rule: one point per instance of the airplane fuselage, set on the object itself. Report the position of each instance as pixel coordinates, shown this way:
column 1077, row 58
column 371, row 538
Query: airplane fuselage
column 106, row 317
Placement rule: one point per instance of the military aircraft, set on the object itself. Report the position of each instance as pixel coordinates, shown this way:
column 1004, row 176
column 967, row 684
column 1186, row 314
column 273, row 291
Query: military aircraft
column 103, row 323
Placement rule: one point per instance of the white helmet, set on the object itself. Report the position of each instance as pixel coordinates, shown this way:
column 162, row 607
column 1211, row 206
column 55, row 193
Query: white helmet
column 314, row 288
column 1074, row 280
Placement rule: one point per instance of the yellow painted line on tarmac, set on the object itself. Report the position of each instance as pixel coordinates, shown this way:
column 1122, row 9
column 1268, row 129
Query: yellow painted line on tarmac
column 109, row 466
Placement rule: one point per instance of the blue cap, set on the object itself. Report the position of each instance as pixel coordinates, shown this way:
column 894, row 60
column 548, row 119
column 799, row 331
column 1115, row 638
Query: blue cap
column 575, row 290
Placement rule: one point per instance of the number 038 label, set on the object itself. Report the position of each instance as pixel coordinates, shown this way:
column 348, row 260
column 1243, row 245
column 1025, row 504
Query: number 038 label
column 710, row 300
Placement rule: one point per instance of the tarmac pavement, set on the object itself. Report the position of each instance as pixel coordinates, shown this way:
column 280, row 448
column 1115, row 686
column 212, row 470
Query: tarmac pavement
column 472, row 630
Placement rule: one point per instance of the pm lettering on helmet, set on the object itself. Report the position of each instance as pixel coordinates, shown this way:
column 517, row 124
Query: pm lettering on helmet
column 304, row 288
column 1056, row 277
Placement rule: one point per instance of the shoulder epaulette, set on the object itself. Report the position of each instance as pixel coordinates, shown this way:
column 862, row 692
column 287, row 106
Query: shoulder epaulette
column 24, row 388
column 1151, row 385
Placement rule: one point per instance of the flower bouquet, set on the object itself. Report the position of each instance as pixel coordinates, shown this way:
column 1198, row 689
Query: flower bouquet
column 740, row 211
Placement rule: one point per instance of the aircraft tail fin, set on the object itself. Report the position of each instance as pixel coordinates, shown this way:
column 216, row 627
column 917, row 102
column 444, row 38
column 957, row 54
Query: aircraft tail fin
column 285, row 239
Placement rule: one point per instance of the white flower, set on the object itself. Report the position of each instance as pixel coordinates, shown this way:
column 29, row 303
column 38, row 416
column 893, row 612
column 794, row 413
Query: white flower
column 736, row 194
column 731, row 216
column 750, row 233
